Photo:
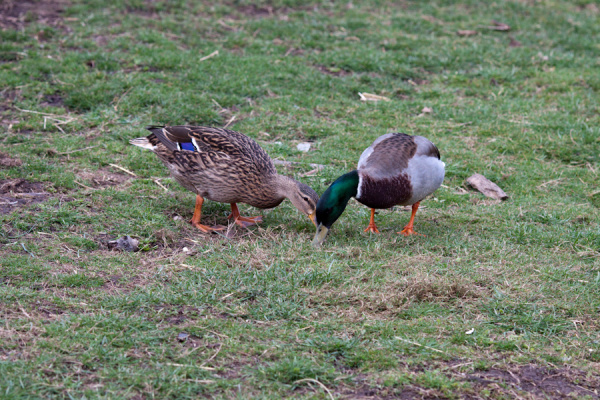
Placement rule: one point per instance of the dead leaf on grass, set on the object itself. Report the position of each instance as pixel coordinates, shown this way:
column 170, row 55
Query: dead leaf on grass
column 487, row 187
column 514, row 42
column 372, row 97
column 498, row 26
column 425, row 110
column 466, row 33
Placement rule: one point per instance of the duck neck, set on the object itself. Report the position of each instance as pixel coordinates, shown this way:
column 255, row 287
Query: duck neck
column 335, row 199
column 284, row 185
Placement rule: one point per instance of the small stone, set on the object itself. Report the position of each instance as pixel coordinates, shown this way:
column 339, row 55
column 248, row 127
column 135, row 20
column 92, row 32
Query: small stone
column 185, row 250
column 487, row 187
column 303, row 147
column 183, row 336
column 126, row 243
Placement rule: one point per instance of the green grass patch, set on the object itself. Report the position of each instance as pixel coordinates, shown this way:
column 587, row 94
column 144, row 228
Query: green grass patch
column 493, row 291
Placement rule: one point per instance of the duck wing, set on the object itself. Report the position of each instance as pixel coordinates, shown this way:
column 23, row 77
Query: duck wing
column 390, row 154
column 215, row 143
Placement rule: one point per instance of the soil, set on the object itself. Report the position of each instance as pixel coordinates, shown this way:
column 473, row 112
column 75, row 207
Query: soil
column 102, row 178
column 332, row 72
column 52, row 100
column 539, row 381
column 7, row 161
column 16, row 14
column 19, row 192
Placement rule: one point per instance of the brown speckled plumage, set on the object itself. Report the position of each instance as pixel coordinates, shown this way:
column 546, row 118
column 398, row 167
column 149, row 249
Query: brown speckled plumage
column 225, row 166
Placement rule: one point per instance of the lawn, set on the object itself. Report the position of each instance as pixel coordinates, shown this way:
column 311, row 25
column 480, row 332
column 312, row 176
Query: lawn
column 499, row 299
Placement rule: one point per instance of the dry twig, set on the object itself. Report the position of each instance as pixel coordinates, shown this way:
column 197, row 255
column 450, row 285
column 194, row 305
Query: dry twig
column 123, row 169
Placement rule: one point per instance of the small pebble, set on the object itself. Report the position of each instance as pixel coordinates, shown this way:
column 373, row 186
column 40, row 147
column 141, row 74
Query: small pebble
column 304, row 147
column 182, row 337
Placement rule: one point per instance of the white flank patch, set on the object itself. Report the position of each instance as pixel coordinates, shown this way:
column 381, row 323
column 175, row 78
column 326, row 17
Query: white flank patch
column 426, row 175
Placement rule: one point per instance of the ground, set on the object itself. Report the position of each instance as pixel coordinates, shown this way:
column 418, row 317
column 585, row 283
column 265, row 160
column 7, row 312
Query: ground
column 498, row 299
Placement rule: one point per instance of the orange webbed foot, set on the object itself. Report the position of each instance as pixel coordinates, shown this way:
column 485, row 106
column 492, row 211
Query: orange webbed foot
column 372, row 228
column 245, row 222
column 207, row 229
column 408, row 230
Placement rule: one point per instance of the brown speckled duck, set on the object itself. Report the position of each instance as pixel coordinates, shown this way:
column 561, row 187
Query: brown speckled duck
column 225, row 166
column 397, row 169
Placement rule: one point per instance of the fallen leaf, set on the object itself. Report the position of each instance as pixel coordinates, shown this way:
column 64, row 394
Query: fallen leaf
column 372, row 97
column 303, row 147
column 514, row 42
column 499, row 26
column 426, row 110
column 470, row 331
column 487, row 187
column 466, row 33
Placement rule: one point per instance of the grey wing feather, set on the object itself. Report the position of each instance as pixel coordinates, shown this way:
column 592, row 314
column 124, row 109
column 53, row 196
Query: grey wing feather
column 388, row 155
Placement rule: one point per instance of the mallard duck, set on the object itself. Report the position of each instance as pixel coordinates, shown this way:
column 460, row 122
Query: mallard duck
column 225, row 166
column 397, row 169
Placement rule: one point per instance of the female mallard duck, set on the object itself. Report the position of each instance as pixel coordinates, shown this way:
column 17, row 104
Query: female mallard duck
column 225, row 166
column 397, row 169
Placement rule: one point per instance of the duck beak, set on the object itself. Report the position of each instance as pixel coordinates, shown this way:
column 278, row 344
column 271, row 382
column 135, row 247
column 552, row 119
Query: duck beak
column 320, row 235
column 313, row 217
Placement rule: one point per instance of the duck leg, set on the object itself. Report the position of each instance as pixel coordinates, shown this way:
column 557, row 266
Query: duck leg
column 242, row 221
column 372, row 227
column 408, row 229
column 198, row 213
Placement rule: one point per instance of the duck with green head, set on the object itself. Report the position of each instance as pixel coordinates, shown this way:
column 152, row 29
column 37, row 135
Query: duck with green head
column 397, row 169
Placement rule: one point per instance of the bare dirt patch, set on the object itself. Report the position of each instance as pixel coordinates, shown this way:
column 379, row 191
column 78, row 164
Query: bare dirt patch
column 255, row 11
column 52, row 100
column 539, row 381
column 19, row 192
column 333, row 71
column 16, row 14
column 7, row 161
column 102, row 178
column 266, row 11
column 394, row 297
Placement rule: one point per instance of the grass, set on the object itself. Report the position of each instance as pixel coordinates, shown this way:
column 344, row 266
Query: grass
column 498, row 300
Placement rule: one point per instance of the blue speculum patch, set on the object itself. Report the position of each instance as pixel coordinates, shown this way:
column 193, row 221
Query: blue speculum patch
column 188, row 146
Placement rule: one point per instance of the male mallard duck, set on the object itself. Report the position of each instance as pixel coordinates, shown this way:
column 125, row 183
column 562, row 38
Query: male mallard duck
column 225, row 166
column 397, row 169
